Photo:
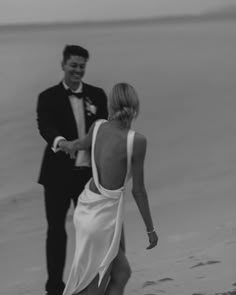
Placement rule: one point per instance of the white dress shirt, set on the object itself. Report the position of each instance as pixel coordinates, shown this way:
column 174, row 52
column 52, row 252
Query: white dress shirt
column 83, row 157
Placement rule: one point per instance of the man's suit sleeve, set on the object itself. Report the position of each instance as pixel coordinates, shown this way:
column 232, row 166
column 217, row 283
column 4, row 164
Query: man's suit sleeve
column 46, row 125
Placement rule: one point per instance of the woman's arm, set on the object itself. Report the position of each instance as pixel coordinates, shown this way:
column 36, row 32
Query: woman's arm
column 70, row 147
column 139, row 190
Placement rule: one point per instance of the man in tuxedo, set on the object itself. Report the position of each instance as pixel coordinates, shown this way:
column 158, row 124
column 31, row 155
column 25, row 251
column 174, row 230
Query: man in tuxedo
column 65, row 112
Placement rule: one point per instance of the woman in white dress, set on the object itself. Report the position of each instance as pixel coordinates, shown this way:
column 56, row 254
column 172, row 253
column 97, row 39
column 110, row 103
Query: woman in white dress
column 117, row 153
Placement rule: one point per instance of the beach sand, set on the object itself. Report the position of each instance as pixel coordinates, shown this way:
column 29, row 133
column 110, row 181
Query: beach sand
column 195, row 255
column 185, row 77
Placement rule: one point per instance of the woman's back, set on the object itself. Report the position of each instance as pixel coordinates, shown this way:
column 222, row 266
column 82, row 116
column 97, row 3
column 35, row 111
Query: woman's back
column 110, row 155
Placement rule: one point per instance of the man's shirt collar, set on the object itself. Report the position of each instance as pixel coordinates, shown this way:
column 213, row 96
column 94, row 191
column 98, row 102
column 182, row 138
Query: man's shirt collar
column 78, row 90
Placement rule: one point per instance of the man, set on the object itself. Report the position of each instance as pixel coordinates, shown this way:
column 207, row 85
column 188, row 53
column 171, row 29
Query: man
column 65, row 112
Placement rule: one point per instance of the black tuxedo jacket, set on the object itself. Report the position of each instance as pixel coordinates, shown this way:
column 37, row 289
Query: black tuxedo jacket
column 55, row 118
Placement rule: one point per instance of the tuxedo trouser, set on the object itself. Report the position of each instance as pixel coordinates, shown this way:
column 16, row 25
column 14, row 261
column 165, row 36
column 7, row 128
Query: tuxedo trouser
column 57, row 202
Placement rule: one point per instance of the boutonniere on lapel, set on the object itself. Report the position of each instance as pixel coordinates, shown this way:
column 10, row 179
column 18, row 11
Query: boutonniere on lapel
column 90, row 108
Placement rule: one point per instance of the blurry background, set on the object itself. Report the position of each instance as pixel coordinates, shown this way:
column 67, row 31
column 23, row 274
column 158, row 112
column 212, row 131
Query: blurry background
column 26, row 11
column 182, row 62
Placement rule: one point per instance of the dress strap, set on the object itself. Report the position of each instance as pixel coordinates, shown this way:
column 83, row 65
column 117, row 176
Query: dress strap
column 130, row 143
column 94, row 168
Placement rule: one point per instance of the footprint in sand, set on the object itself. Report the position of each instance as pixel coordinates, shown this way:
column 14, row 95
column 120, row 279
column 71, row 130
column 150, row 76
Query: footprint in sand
column 166, row 280
column 153, row 283
column 209, row 262
column 200, row 277
column 230, row 242
column 149, row 283
column 228, row 293
column 224, row 293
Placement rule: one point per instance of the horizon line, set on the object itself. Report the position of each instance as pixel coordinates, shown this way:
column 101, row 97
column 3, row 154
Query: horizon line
column 163, row 19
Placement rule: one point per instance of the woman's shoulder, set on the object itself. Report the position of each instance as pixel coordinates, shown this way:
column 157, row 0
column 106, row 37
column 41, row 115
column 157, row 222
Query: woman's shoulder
column 140, row 143
column 139, row 138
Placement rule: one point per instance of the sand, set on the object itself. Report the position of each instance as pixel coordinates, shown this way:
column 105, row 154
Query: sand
column 185, row 76
column 195, row 255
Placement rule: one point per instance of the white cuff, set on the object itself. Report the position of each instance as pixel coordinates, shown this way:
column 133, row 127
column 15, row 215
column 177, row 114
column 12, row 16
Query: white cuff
column 55, row 148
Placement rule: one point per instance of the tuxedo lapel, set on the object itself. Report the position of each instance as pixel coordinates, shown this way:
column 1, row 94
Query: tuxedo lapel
column 85, row 97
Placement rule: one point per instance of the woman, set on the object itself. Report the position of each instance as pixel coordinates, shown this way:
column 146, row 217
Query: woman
column 117, row 152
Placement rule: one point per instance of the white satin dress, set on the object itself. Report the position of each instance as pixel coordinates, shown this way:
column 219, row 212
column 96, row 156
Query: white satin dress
column 98, row 220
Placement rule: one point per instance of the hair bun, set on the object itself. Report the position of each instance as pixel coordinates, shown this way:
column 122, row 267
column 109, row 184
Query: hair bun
column 125, row 115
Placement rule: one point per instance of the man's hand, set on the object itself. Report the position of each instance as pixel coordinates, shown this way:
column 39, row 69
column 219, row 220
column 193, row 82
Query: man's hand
column 153, row 240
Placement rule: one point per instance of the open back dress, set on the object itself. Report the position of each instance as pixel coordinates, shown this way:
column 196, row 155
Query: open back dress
column 98, row 219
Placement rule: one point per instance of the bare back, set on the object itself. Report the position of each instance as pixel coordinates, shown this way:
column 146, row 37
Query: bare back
column 110, row 154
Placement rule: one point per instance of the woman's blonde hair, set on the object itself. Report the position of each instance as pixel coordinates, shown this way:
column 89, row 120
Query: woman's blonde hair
column 123, row 103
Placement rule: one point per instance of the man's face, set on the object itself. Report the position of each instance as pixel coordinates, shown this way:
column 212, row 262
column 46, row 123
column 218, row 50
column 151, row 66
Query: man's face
column 74, row 69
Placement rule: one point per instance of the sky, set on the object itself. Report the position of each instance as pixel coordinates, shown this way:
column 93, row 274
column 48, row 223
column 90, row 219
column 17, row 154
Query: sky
column 24, row 11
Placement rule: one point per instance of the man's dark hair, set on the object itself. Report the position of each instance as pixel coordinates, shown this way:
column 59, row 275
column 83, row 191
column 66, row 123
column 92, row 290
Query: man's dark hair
column 75, row 50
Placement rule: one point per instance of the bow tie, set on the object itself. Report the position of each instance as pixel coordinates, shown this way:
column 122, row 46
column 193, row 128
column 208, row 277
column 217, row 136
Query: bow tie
column 79, row 95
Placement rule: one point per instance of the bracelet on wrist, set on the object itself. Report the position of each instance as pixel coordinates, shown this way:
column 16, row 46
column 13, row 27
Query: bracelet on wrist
column 151, row 231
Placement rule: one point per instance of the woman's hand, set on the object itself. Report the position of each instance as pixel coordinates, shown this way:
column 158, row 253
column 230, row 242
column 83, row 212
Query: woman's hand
column 69, row 147
column 73, row 148
column 153, row 240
